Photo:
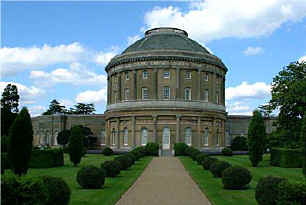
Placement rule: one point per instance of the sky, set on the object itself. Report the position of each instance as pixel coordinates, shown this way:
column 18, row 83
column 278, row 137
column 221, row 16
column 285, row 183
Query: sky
column 59, row 50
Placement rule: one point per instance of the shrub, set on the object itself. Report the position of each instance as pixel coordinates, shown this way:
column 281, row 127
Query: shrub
column 139, row 152
column 47, row 158
column 282, row 157
column 132, row 156
column 179, row 149
column 200, row 157
column 63, row 137
column 267, row 190
column 58, row 189
column 227, row 151
column 124, row 162
column 256, row 134
column 152, row 149
column 5, row 163
column 239, row 144
column 76, row 146
column 20, row 142
column 236, row 177
column 107, row 151
column 112, row 168
column 207, row 161
column 218, row 167
column 91, row 177
column 291, row 193
column 10, row 189
column 303, row 138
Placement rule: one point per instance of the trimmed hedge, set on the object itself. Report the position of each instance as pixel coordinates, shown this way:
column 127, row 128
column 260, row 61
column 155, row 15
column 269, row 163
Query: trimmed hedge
column 291, row 193
column 239, row 143
column 152, row 149
column 227, row 151
column 179, row 149
column 282, row 157
column 125, row 162
column 107, row 151
column 47, row 158
column 236, row 177
column 58, row 189
column 112, row 168
column 139, row 152
column 200, row 158
column 207, row 161
column 91, row 177
column 218, row 167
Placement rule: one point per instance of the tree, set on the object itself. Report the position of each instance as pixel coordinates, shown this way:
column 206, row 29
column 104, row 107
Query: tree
column 85, row 109
column 289, row 96
column 303, row 139
column 256, row 136
column 9, row 107
column 76, row 145
column 20, row 142
column 55, row 107
column 63, row 137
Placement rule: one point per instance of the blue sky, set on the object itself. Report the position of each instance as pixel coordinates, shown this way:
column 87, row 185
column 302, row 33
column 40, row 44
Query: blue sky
column 58, row 50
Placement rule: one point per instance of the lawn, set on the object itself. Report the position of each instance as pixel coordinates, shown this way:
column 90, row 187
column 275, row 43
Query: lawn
column 113, row 187
column 213, row 187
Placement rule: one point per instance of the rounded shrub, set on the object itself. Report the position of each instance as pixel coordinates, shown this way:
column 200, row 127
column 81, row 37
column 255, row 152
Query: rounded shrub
column 112, row 168
column 227, row 151
column 267, row 190
column 236, row 177
column 207, row 161
column 91, row 177
column 194, row 153
column 179, row 149
column 218, row 167
column 124, row 162
column 291, row 193
column 152, row 149
column 200, row 157
column 240, row 144
column 132, row 156
column 107, row 151
column 139, row 152
column 58, row 189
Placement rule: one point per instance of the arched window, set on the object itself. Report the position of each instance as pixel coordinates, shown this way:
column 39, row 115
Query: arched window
column 113, row 136
column 187, row 93
column 205, row 137
column 144, row 136
column 126, row 136
column 188, row 135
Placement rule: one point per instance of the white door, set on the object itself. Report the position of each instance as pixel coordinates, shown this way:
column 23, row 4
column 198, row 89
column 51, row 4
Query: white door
column 166, row 138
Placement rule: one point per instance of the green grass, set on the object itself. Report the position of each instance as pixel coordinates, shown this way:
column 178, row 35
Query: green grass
column 113, row 187
column 213, row 187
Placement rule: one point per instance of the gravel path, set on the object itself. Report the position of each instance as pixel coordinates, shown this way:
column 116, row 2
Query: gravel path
column 164, row 182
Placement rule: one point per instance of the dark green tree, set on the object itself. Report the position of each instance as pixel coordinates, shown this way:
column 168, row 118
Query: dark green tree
column 256, row 136
column 303, row 139
column 63, row 137
column 76, row 145
column 82, row 108
column 55, row 107
column 20, row 142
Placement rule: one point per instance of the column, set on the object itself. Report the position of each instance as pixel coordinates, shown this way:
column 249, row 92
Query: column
column 178, row 119
column 154, row 128
column 178, row 91
column 154, row 82
column 110, row 90
column 199, row 84
column 133, row 130
column 119, row 87
column 135, row 84
column 118, row 133
column 107, row 133
column 213, row 134
column 199, row 132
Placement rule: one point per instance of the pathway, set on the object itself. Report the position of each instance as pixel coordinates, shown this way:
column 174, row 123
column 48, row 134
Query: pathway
column 164, row 182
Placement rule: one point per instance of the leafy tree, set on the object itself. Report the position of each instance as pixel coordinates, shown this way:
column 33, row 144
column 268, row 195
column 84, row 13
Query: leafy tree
column 55, row 107
column 20, row 142
column 63, row 137
column 303, row 139
column 76, row 145
column 85, row 109
column 256, row 135
column 289, row 96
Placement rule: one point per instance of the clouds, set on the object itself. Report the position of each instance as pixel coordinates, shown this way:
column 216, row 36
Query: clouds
column 302, row 59
column 103, row 58
column 251, row 51
column 92, row 96
column 215, row 19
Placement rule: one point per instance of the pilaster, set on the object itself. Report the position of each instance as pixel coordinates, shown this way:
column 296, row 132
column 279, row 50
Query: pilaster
column 154, row 128
column 178, row 122
column 118, row 133
column 135, row 84
column 178, row 92
column 133, row 130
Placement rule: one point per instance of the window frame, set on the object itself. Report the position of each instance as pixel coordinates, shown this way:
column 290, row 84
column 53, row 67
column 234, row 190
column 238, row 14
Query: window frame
column 169, row 92
column 143, row 93
column 144, row 130
column 189, row 96
column 188, row 75
column 126, row 137
column 127, row 76
column 206, row 95
column 205, row 137
column 166, row 76
column 113, row 137
column 126, row 93
column 145, row 74
column 205, row 76
column 188, row 136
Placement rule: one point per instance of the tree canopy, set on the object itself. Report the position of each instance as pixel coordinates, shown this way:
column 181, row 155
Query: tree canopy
column 55, row 107
column 79, row 108
column 82, row 108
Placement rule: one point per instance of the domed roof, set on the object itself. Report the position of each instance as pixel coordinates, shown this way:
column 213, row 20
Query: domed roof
column 166, row 39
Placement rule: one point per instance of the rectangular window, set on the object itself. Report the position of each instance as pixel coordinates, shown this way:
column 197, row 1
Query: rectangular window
column 188, row 75
column 166, row 93
column 145, row 93
column 206, row 95
column 206, row 76
column 145, row 74
column 187, row 94
column 126, row 137
column 126, row 93
column 217, row 97
column 166, row 74
column 103, row 137
column 127, row 77
column 205, row 140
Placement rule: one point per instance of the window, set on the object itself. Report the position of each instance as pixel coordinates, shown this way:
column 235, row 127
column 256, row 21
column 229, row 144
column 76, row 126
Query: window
column 217, row 138
column 166, row 93
column 113, row 136
column 126, row 93
column 187, row 94
column 217, row 97
column 188, row 133
column 144, row 136
column 188, row 75
column 206, row 76
column 145, row 74
column 145, row 93
column 127, row 77
column 103, row 137
column 166, row 74
column 206, row 95
column 205, row 137
column 126, row 136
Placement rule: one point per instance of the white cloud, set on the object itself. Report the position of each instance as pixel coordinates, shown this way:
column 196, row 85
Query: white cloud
column 133, row 39
column 36, row 110
column 28, row 95
column 92, row 96
column 238, row 108
column 250, row 51
column 103, row 58
column 302, row 59
column 258, row 90
column 215, row 19
column 77, row 74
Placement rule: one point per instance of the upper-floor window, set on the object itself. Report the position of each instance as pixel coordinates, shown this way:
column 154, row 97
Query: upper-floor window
column 188, row 75
column 166, row 93
column 206, row 76
column 145, row 74
column 187, row 94
column 145, row 93
column 127, row 77
column 167, row 74
column 126, row 93
column 206, row 95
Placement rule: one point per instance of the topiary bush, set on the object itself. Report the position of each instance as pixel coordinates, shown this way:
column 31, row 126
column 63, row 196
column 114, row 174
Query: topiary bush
column 76, row 145
column 58, row 189
column 282, row 157
column 218, row 167
column 124, row 162
column 236, row 177
column 291, row 193
column 267, row 190
column 207, row 161
column 152, row 149
column 227, row 151
column 239, row 144
column 112, row 168
column 139, row 152
column 132, row 156
column 91, row 177
column 107, row 151
column 179, row 149
column 200, row 157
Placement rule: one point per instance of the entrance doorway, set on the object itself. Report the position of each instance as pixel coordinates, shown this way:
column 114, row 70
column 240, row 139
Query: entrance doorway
column 166, row 138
